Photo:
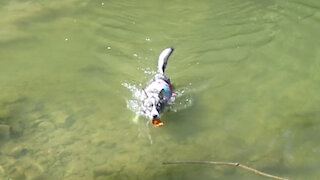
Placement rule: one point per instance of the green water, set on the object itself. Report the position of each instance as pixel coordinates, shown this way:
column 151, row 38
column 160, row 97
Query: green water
column 250, row 70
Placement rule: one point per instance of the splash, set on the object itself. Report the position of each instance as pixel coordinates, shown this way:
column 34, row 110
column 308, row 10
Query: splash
column 134, row 104
column 148, row 71
column 181, row 100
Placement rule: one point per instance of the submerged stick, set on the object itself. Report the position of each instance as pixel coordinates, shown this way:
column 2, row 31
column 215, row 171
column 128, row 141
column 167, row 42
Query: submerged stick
column 236, row 164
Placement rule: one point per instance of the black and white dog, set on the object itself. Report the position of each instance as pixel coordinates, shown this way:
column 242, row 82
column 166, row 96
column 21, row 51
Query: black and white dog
column 158, row 92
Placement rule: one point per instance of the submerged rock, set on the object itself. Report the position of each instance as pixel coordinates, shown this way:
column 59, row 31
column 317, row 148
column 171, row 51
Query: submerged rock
column 26, row 169
column 4, row 113
column 16, row 130
column 58, row 118
column 4, row 131
column 46, row 125
column 17, row 173
column 18, row 152
column 102, row 171
column 69, row 122
column 2, row 171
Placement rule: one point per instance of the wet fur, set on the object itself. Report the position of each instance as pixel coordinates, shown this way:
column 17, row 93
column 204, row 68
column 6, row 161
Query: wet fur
column 153, row 99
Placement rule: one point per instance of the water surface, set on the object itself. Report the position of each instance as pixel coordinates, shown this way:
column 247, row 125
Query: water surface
column 248, row 74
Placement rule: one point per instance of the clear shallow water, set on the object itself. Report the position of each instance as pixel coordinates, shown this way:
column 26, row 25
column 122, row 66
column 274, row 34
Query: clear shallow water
column 251, row 69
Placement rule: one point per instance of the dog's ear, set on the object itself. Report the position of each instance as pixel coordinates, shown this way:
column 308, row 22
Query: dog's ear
column 143, row 94
column 161, row 94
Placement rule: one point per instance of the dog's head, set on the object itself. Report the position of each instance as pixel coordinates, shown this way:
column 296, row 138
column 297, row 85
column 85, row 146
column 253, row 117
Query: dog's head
column 152, row 106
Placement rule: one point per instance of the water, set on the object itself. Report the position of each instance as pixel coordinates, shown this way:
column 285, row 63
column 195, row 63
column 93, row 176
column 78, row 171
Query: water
column 250, row 68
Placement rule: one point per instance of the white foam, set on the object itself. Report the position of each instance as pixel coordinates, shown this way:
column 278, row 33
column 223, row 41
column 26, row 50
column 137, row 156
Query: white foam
column 181, row 100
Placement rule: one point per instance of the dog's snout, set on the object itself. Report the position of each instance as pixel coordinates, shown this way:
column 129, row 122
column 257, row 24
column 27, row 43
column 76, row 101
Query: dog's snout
column 155, row 116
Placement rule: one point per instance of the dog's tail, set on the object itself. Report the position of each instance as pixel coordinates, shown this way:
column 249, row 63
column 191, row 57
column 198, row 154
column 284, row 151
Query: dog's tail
column 163, row 59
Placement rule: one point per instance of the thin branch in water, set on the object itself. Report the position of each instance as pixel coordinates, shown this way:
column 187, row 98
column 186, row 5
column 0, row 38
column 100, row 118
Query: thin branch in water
column 236, row 164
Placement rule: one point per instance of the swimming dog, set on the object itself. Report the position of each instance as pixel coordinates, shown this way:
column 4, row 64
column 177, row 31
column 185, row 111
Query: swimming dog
column 158, row 92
